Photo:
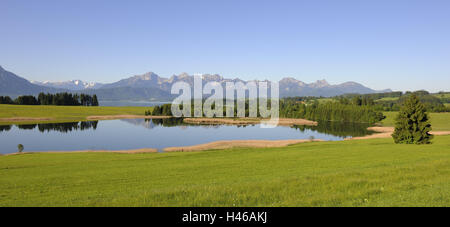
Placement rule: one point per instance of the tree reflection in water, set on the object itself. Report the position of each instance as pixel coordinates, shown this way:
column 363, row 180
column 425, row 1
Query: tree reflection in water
column 59, row 127
column 341, row 129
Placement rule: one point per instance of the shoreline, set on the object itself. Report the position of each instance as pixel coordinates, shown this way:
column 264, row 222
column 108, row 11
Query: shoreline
column 386, row 132
column 227, row 144
column 198, row 121
column 379, row 132
column 247, row 121
column 43, row 120
column 116, row 117
column 131, row 151
column 383, row 132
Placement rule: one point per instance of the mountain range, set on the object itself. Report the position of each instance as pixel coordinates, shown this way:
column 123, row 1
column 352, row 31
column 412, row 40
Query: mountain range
column 150, row 86
column 74, row 85
column 13, row 85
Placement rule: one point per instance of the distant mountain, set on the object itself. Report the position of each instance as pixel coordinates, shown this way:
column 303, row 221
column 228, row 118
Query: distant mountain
column 130, row 93
column 150, row 86
column 149, row 79
column 288, row 86
column 152, row 80
column 13, row 85
column 292, row 87
column 74, row 85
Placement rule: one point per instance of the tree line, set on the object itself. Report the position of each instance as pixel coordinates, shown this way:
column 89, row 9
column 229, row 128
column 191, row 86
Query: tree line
column 163, row 110
column 431, row 102
column 341, row 129
column 330, row 111
column 292, row 108
column 58, row 99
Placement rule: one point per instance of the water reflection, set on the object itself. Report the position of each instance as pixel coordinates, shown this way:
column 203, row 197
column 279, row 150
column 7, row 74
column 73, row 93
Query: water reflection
column 5, row 128
column 154, row 133
column 59, row 127
column 338, row 129
column 341, row 129
column 152, row 123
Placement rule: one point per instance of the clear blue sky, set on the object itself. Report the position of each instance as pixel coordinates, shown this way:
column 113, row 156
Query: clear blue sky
column 403, row 45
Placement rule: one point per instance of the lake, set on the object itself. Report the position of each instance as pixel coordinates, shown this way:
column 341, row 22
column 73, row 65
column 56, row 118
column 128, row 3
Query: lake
column 131, row 103
column 158, row 133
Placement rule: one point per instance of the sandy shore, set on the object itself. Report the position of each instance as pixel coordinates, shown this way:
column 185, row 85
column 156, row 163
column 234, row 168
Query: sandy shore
column 386, row 132
column 247, row 121
column 113, row 117
column 382, row 132
column 136, row 151
column 226, row 144
column 440, row 133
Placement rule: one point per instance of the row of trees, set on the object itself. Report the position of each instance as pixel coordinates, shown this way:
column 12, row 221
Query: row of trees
column 330, row 111
column 163, row 110
column 412, row 124
column 374, row 96
column 292, row 108
column 357, row 101
column 394, row 100
column 59, row 99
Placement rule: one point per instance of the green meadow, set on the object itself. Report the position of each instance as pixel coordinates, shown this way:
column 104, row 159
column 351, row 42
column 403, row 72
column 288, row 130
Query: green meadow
column 388, row 99
column 64, row 113
column 374, row 172
column 439, row 121
column 346, row 173
column 446, row 95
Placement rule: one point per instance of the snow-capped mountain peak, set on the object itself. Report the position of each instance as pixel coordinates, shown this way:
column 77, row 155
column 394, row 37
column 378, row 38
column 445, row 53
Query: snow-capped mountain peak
column 71, row 84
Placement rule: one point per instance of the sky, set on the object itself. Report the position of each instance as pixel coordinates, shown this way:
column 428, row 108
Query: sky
column 402, row 44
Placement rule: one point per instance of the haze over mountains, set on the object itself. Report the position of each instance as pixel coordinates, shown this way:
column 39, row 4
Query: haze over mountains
column 71, row 84
column 13, row 85
column 150, row 86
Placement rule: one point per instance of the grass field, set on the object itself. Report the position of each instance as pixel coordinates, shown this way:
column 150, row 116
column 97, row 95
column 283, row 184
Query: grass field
column 64, row 113
column 373, row 172
column 388, row 99
column 324, row 100
column 346, row 173
column 446, row 95
column 439, row 121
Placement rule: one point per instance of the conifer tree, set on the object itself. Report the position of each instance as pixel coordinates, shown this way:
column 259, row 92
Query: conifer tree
column 412, row 125
column 94, row 100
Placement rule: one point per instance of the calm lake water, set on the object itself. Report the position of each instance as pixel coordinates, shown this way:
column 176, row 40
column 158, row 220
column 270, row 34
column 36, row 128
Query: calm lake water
column 141, row 133
column 130, row 103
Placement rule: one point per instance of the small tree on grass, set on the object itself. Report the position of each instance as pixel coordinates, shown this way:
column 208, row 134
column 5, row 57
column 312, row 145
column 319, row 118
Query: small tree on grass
column 20, row 148
column 412, row 125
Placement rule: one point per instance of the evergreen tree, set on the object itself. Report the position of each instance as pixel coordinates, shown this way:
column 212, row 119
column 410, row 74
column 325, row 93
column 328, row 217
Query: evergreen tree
column 94, row 100
column 6, row 100
column 157, row 111
column 412, row 125
column 20, row 148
